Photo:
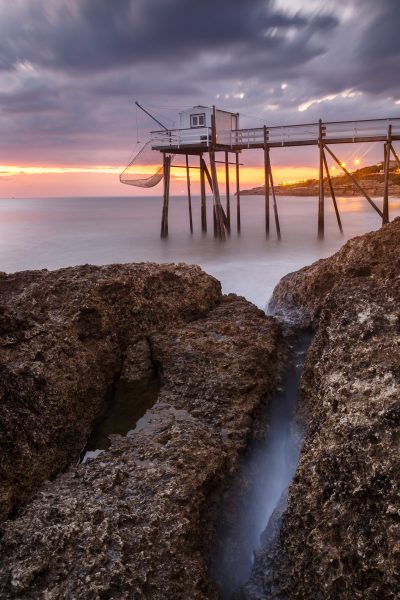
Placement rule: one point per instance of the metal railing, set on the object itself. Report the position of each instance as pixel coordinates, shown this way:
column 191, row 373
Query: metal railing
column 175, row 138
column 290, row 134
column 359, row 129
column 241, row 137
column 278, row 134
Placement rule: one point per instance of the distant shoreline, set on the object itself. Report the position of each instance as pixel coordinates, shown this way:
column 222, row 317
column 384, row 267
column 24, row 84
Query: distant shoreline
column 303, row 191
column 371, row 179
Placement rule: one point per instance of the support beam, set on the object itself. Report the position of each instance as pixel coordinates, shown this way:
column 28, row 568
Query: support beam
column 277, row 224
column 219, row 221
column 395, row 154
column 164, row 218
column 387, row 147
column 215, row 221
column 207, row 173
column 210, row 180
column 358, row 186
column 184, row 167
column 228, row 200
column 213, row 127
column 189, row 194
column 211, row 184
column 203, row 208
column 321, row 199
column 332, row 192
column 237, row 194
column 266, row 180
column 222, row 162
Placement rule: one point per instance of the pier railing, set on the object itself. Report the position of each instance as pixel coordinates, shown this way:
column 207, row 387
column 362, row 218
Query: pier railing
column 308, row 134
column 175, row 138
column 335, row 132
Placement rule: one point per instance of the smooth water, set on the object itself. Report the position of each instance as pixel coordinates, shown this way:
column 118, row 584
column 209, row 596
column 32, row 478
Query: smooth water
column 59, row 232
column 265, row 473
column 129, row 402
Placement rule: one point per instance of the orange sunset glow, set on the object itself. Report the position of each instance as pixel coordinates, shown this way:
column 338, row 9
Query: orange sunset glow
column 42, row 180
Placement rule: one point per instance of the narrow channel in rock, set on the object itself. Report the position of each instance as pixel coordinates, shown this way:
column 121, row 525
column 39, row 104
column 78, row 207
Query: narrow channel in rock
column 261, row 483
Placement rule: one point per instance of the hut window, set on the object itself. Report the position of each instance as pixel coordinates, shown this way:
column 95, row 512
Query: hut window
column 198, row 120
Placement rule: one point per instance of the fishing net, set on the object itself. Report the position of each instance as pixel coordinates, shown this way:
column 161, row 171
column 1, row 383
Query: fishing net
column 145, row 169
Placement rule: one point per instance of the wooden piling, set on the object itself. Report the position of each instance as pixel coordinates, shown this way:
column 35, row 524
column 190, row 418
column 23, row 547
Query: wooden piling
column 395, row 154
column 215, row 221
column 203, row 208
column 219, row 221
column 167, row 174
column 189, row 194
column 266, row 180
column 387, row 149
column 228, row 201
column 321, row 216
column 332, row 192
column 237, row 194
column 271, row 179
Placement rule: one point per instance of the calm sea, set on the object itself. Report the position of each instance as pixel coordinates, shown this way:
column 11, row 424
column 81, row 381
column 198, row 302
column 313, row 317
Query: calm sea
column 57, row 232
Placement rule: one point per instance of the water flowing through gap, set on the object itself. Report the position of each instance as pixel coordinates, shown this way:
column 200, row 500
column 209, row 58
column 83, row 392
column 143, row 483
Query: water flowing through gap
column 265, row 474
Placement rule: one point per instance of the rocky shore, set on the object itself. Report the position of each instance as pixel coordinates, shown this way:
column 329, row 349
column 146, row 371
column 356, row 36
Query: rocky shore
column 63, row 336
column 137, row 521
column 339, row 537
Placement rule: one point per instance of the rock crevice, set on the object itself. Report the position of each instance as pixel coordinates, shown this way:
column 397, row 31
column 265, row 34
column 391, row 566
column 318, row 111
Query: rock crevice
column 340, row 532
column 62, row 338
column 138, row 520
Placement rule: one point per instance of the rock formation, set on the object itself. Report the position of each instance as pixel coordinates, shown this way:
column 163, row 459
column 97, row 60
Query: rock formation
column 137, row 521
column 63, row 335
column 340, row 534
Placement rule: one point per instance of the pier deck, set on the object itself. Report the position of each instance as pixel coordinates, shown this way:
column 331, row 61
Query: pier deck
column 207, row 141
column 278, row 136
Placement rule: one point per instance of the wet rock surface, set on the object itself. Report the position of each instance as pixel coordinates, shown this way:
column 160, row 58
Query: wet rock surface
column 137, row 521
column 299, row 296
column 63, row 336
column 340, row 534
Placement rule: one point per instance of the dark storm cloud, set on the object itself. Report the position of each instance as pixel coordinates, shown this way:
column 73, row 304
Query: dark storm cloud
column 88, row 35
column 378, row 53
column 365, row 55
column 277, row 54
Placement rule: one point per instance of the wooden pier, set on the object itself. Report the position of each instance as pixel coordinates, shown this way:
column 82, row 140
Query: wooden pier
column 205, row 141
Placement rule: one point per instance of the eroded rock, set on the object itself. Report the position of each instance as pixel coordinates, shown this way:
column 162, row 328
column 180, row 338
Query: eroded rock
column 340, row 533
column 63, row 335
column 137, row 521
column 299, row 296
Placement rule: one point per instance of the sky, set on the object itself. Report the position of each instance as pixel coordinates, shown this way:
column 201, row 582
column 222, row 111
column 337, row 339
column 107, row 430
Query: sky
column 70, row 71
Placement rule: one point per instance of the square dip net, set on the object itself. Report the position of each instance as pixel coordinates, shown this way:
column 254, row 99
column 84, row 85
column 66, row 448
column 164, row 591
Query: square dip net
column 144, row 170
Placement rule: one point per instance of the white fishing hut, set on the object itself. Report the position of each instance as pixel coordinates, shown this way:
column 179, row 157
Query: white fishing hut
column 199, row 126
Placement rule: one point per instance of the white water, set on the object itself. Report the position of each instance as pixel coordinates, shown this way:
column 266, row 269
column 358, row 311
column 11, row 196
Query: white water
column 59, row 232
